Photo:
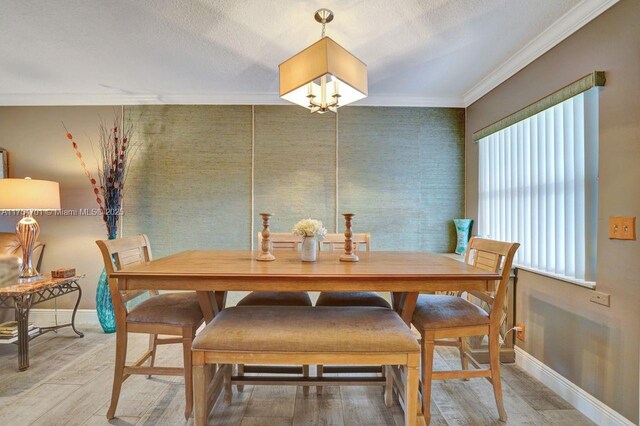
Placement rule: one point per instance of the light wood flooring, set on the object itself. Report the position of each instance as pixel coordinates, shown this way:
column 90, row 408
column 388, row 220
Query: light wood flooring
column 69, row 383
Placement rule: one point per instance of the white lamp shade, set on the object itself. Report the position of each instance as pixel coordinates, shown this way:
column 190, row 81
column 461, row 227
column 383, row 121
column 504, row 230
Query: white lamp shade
column 29, row 194
column 347, row 93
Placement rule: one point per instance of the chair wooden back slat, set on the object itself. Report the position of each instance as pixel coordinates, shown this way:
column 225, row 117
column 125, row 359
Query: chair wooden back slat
column 487, row 261
column 282, row 240
column 484, row 296
column 494, row 256
column 333, row 242
column 124, row 244
column 131, row 257
column 118, row 254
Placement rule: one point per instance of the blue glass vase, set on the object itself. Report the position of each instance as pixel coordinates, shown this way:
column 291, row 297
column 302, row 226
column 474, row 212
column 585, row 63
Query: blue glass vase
column 104, row 304
column 463, row 231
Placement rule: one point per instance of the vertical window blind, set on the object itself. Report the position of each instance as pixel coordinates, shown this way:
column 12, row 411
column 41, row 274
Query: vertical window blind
column 538, row 186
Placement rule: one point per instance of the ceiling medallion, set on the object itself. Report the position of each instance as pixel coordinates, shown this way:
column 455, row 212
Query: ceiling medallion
column 324, row 76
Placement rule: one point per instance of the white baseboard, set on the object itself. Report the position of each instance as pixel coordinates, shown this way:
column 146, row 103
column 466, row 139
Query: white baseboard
column 587, row 404
column 48, row 316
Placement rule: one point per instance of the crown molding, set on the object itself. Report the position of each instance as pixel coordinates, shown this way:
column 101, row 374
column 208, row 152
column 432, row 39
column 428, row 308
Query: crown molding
column 412, row 101
column 68, row 99
column 567, row 24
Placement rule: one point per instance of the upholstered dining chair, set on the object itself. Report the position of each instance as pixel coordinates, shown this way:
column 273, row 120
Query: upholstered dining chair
column 335, row 242
column 173, row 314
column 453, row 317
column 279, row 241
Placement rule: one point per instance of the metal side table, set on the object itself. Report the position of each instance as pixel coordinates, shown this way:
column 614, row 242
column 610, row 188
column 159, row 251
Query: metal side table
column 21, row 297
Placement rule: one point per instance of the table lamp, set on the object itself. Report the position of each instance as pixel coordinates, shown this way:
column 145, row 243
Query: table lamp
column 26, row 196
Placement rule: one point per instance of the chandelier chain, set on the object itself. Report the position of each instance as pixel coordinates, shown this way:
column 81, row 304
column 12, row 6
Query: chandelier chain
column 323, row 29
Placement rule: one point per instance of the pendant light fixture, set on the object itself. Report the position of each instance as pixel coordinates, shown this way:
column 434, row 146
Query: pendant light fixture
column 324, row 76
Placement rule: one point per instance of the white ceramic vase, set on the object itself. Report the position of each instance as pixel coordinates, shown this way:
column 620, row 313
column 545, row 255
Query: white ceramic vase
column 309, row 252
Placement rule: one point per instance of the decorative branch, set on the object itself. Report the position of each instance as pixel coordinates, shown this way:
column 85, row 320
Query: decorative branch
column 116, row 150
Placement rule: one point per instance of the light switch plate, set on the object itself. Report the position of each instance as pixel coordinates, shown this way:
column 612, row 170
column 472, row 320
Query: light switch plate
column 622, row 227
column 603, row 299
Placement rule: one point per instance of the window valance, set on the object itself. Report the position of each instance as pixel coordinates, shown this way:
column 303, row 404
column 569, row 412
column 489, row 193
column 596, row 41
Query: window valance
column 583, row 84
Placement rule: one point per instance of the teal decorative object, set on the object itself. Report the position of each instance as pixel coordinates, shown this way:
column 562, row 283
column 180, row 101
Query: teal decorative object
column 463, row 231
column 104, row 305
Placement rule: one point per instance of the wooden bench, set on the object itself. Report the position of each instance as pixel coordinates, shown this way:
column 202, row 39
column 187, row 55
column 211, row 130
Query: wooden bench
column 302, row 335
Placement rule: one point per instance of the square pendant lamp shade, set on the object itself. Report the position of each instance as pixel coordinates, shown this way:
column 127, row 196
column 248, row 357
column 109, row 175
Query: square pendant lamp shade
column 323, row 77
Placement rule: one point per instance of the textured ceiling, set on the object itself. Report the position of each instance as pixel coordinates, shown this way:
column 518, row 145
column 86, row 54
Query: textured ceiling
column 170, row 48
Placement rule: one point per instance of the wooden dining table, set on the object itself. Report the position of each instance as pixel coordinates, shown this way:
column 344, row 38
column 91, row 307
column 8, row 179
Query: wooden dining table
column 213, row 273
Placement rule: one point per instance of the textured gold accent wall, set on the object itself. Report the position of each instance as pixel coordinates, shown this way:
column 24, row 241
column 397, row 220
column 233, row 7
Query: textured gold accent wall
column 190, row 184
column 399, row 169
column 295, row 165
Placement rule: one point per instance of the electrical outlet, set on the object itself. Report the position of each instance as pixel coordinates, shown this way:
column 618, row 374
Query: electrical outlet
column 603, row 299
column 520, row 331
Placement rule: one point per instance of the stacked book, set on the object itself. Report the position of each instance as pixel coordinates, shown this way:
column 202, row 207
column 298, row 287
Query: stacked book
column 9, row 331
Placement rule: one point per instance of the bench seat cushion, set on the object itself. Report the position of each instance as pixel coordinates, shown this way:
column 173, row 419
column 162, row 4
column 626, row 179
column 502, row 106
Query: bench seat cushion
column 180, row 309
column 293, row 329
column 440, row 311
column 276, row 298
column 351, row 298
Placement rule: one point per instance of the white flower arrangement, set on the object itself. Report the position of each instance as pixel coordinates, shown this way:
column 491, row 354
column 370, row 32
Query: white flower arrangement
column 310, row 228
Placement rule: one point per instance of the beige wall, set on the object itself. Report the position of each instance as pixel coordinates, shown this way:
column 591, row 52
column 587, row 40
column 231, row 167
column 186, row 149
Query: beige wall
column 37, row 147
column 593, row 346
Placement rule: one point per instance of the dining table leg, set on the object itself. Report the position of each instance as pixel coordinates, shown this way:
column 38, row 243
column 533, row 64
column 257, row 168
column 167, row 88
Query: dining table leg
column 396, row 298
column 208, row 305
column 211, row 303
column 404, row 304
column 221, row 300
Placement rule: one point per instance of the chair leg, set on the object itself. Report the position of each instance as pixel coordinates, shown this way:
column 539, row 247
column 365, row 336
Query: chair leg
column 388, row 387
column 411, row 394
column 462, row 347
column 200, row 390
column 188, row 376
column 427, row 371
column 118, row 373
column 305, row 373
column 240, row 374
column 319, row 374
column 153, row 345
column 228, row 391
column 494, row 361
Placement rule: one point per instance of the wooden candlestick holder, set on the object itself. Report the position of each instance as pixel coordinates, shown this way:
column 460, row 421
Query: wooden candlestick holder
column 265, row 254
column 349, row 255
